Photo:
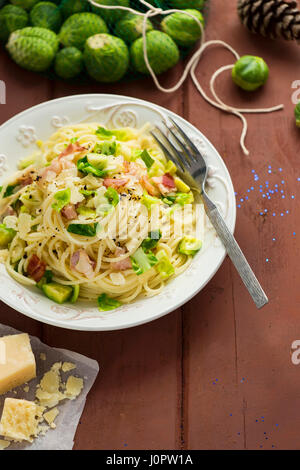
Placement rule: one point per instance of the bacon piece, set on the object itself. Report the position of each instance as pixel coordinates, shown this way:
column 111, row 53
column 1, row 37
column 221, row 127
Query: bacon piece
column 124, row 263
column 164, row 183
column 149, row 187
column 115, row 182
column 36, row 268
column 60, row 163
column 81, row 262
column 72, row 148
column 69, row 212
column 168, row 180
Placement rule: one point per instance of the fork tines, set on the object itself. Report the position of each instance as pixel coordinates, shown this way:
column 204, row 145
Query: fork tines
column 183, row 154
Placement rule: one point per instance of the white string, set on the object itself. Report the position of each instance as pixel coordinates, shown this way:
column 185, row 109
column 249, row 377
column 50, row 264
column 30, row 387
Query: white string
column 192, row 64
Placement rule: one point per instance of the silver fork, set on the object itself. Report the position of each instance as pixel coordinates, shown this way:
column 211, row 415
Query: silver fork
column 192, row 168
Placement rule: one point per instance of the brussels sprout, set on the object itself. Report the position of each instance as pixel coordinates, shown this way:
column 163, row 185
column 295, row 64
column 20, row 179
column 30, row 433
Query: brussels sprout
column 181, row 4
column 26, row 4
column 46, row 15
column 111, row 16
column 11, row 19
column 33, row 48
column 250, row 72
column 189, row 246
column 106, row 57
column 162, row 52
column 297, row 114
column 183, row 29
column 77, row 28
column 70, row 7
column 130, row 27
column 68, row 62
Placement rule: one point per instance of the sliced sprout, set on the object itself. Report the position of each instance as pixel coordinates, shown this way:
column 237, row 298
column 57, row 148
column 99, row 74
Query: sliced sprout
column 164, row 265
column 181, row 185
column 189, row 246
column 63, row 198
column 75, row 293
column 87, row 192
column 148, row 200
column 85, row 167
column 106, row 148
column 142, row 262
column 6, row 235
column 86, row 211
column 184, row 198
column 86, row 230
column 119, row 134
column 151, row 241
column 97, row 160
column 106, row 303
column 112, row 195
column 147, row 159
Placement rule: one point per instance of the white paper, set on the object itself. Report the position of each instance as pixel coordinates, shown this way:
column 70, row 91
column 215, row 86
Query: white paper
column 62, row 437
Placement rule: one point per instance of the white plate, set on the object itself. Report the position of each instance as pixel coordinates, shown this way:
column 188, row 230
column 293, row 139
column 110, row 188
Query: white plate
column 17, row 137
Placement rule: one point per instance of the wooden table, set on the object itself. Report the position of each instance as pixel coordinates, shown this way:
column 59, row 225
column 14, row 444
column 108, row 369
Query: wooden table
column 217, row 373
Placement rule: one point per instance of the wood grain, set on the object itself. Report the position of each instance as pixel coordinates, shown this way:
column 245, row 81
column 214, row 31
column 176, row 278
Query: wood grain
column 217, row 373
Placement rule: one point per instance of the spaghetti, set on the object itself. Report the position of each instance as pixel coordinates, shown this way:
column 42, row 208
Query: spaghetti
column 97, row 214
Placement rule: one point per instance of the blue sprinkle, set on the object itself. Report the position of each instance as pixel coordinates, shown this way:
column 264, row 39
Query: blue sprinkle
column 230, row 414
column 260, row 190
column 282, row 182
column 253, row 171
column 246, row 197
column 283, row 196
column 263, row 195
column 298, row 179
column 273, row 445
column 282, row 191
column 265, row 432
column 269, row 171
column 276, row 424
column 261, row 213
column 239, row 205
column 248, row 190
column 256, row 420
column 273, row 214
column 269, row 166
column 260, row 186
column 276, row 185
column 269, row 197
column 267, row 260
column 266, row 210
column 276, row 190
column 273, row 239
column 293, row 197
column 281, row 214
column 280, row 169
column 239, row 433
column 242, row 200
column 287, row 212
column 252, row 188
column 235, row 193
column 216, row 380
column 294, row 233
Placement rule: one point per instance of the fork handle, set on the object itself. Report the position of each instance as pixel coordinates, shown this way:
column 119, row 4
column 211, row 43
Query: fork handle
column 237, row 257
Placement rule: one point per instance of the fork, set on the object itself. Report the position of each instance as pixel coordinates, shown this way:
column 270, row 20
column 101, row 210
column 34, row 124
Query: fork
column 193, row 169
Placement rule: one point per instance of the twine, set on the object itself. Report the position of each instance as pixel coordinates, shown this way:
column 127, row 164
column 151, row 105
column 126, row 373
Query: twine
column 191, row 66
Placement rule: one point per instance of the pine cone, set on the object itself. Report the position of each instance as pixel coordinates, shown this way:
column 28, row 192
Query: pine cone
column 271, row 18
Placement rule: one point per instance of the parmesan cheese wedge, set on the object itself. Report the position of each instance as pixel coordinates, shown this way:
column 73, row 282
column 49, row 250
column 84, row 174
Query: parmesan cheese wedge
column 17, row 362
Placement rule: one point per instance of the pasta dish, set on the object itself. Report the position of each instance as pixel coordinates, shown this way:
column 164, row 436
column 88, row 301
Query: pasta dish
column 97, row 214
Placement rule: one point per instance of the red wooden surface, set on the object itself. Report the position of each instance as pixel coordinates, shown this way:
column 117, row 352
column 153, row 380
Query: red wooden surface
column 217, row 373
